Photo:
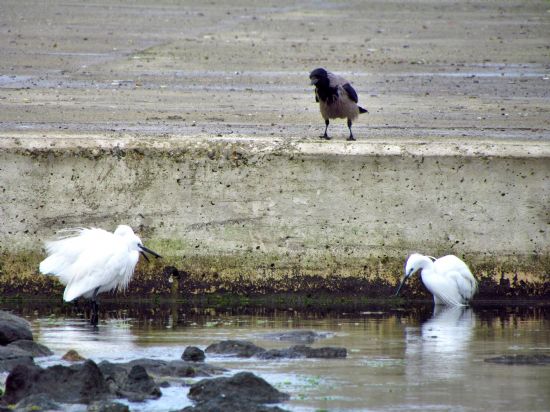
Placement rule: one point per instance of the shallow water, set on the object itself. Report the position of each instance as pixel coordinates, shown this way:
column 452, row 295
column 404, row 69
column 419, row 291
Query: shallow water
column 398, row 360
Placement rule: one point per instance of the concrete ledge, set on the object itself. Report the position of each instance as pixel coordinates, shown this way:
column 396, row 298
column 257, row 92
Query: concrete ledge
column 256, row 209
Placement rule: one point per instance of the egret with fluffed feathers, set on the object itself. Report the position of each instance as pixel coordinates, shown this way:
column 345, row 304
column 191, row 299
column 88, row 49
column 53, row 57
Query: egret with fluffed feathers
column 448, row 278
column 90, row 261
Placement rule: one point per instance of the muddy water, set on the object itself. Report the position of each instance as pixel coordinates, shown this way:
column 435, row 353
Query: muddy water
column 398, row 360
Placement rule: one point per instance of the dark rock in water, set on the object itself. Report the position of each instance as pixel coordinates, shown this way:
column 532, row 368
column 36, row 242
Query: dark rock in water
column 35, row 349
column 296, row 336
column 113, row 374
column 243, row 387
column 193, row 354
column 73, row 356
column 280, row 354
column 327, row 352
column 536, row 360
column 139, row 382
column 38, row 402
column 175, row 368
column 219, row 405
column 107, row 406
column 81, row 383
column 302, row 351
column 13, row 328
column 11, row 356
column 246, row 349
column 240, row 348
column 136, row 385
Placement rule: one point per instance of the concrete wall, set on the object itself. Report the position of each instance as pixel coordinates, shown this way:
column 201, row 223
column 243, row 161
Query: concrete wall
column 248, row 206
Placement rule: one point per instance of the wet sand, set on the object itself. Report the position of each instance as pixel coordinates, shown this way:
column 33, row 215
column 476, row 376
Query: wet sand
column 424, row 69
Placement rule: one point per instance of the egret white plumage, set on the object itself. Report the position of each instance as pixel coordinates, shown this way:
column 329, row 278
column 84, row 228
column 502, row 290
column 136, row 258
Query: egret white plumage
column 448, row 278
column 92, row 261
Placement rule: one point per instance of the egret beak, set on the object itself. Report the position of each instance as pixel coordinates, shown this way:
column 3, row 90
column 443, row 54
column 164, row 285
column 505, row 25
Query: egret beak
column 403, row 280
column 144, row 249
column 144, row 255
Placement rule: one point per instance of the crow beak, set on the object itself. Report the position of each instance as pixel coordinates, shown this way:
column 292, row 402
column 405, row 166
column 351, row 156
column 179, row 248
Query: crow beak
column 403, row 280
column 144, row 249
column 313, row 81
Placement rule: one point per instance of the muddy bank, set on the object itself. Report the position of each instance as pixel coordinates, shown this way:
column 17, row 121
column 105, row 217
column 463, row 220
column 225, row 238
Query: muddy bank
column 497, row 281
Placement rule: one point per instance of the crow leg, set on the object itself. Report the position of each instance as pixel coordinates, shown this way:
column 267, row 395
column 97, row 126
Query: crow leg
column 350, row 132
column 325, row 135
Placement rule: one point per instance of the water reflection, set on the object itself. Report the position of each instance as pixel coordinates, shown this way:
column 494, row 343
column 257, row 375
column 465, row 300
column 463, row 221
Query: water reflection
column 439, row 348
column 62, row 335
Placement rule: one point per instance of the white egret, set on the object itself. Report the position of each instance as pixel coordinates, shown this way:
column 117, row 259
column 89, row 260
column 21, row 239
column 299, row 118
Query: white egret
column 92, row 261
column 448, row 278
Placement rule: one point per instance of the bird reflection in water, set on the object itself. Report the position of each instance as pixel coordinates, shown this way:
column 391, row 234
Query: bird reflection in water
column 439, row 348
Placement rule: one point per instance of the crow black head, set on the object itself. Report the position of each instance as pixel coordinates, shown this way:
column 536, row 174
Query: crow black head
column 318, row 75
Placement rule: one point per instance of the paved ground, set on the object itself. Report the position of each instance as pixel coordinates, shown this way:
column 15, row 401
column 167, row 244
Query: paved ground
column 425, row 69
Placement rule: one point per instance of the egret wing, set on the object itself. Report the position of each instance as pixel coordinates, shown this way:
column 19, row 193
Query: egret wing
column 443, row 288
column 105, row 269
column 460, row 272
column 66, row 250
column 465, row 283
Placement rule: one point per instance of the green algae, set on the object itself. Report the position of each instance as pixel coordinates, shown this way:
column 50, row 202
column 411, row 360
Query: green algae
column 180, row 276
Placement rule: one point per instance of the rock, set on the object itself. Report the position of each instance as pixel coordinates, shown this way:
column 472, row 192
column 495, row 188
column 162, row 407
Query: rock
column 136, row 386
column 81, row 383
column 11, row 356
column 302, row 351
column 193, row 354
column 73, row 356
column 13, row 328
column 218, row 405
column 280, row 354
column 35, row 349
column 38, row 402
column 243, row 387
column 535, row 360
column 296, row 336
column 107, row 406
column 247, row 349
column 141, row 383
column 175, row 368
column 240, row 348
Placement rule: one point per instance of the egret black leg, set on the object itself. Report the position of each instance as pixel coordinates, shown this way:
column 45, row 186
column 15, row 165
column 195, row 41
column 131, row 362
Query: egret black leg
column 350, row 133
column 94, row 319
column 325, row 135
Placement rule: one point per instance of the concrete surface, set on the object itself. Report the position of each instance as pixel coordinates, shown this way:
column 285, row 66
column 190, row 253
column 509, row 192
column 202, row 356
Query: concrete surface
column 194, row 122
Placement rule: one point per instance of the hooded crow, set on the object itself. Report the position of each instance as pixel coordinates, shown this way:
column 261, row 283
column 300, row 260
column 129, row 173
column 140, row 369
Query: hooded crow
column 337, row 99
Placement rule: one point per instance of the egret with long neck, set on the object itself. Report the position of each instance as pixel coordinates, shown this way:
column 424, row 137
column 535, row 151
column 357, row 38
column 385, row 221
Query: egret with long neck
column 448, row 278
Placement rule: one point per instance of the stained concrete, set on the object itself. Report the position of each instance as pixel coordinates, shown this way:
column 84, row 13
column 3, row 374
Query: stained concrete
column 195, row 123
